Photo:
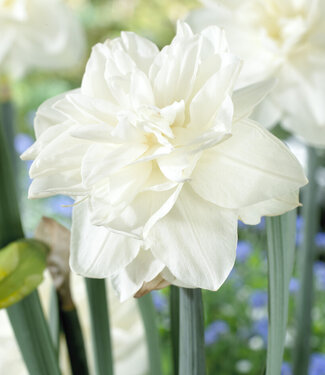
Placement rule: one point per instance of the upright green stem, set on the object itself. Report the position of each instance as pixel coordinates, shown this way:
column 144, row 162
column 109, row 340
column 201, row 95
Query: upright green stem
column 191, row 327
column 75, row 343
column 281, row 239
column 33, row 336
column 98, row 307
column 149, row 320
column 310, row 214
column 174, row 325
column 26, row 316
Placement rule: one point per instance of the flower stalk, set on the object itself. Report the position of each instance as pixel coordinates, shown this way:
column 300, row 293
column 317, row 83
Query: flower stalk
column 191, row 329
column 310, row 213
column 149, row 320
column 98, row 307
column 281, row 237
column 174, row 325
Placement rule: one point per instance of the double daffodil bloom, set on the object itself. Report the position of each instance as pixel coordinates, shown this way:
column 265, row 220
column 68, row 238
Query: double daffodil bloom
column 162, row 159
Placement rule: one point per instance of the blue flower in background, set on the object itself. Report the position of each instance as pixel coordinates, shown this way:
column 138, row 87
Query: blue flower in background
column 299, row 230
column 317, row 364
column 319, row 270
column 22, row 142
column 294, row 285
column 286, row 369
column 320, row 239
column 159, row 300
column 241, row 225
column 261, row 225
column 214, row 331
column 261, row 328
column 258, row 299
column 299, row 223
column 58, row 204
column 244, row 249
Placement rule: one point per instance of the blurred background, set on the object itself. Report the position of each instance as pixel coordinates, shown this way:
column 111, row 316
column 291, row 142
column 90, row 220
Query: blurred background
column 236, row 315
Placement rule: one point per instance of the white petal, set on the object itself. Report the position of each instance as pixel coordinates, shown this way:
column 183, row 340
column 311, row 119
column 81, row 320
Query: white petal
column 196, row 241
column 95, row 251
column 65, row 182
column 173, row 71
column 212, row 95
column 46, row 116
column 273, row 207
column 61, row 154
column 250, row 167
column 93, row 83
column 144, row 211
column 141, row 50
column 267, row 113
column 143, row 268
column 110, row 197
column 103, row 160
column 247, row 98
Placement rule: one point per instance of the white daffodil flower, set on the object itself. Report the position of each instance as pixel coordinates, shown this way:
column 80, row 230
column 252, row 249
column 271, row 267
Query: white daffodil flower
column 38, row 34
column 162, row 159
column 282, row 38
column 128, row 336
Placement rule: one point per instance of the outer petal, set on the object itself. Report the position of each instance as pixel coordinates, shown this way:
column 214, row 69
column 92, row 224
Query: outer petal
column 196, row 241
column 250, row 167
column 273, row 207
column 95, row 251
column 147, row 208
column 247, row 98
column 143, row 268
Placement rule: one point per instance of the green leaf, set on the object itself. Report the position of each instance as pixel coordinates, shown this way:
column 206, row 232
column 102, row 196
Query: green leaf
column 281, row 238
column 33, row 336
column 26, row 317
column 191, row 327
column 310, row 213
column 149, row 320
column 22, row 264
column 174, row 325
column 98, row 307
column 10, row 224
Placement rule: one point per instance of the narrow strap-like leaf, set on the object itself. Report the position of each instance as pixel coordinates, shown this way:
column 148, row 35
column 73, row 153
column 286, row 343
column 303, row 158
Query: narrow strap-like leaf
column 54, row 319
column 26, row 316
column 33, row 336
column 281, row 237
column 149, row 320
column 310, row 213
column 75, row 343
column 191, row 329
column 101, row 338
column 174, row 325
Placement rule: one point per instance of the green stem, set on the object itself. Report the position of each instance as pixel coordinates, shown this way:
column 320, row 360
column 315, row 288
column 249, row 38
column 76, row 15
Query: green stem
column 174, row 325
column 97, row 298
column 32, row 334
column 191, row 327
column 149, row 320
column 281, row 238
column 26, row 316
column 7, row 119
column 75, row 343
column 310, row 212
column 54, row 320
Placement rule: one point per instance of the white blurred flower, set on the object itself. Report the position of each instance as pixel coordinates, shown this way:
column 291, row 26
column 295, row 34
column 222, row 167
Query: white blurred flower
column 158, row 151
column 42, row 34
column 128, row 336
column 283, row 38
